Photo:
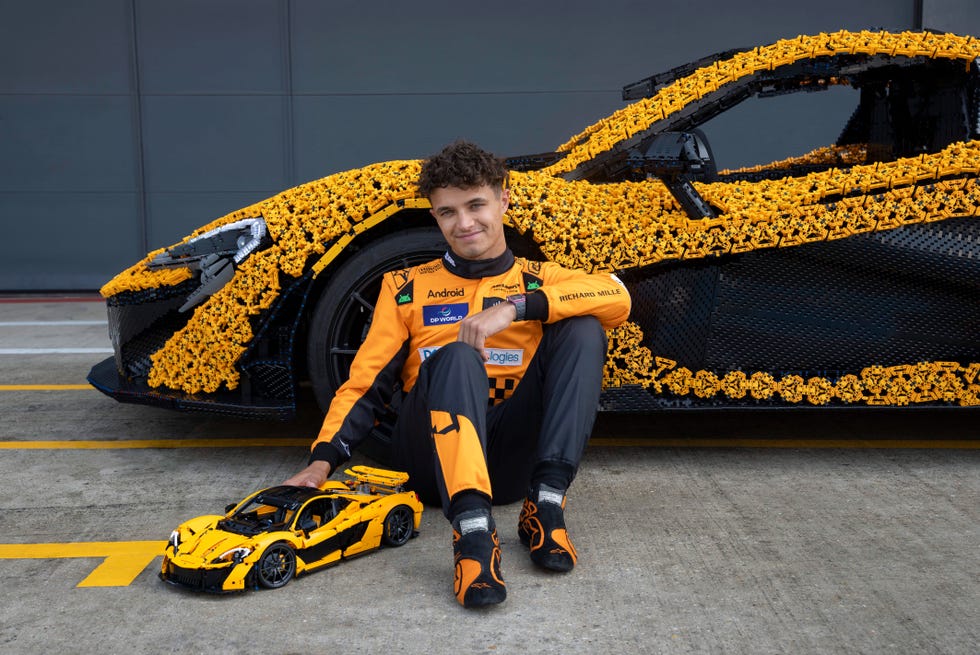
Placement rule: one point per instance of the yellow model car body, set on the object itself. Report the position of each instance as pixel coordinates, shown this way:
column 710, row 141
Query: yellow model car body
column 281, row 532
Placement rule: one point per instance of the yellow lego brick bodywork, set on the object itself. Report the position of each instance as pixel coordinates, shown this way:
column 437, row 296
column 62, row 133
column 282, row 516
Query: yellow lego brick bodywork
column 620, row 226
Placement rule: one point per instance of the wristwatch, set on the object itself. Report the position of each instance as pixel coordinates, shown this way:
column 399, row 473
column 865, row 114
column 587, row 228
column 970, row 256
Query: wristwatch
column 519, row 301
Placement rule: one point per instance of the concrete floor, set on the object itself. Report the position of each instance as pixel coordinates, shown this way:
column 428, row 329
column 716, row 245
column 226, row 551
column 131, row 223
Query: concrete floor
column 816, row 535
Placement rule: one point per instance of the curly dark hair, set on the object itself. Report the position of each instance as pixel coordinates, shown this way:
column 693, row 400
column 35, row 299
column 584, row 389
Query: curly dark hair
column 464, row 165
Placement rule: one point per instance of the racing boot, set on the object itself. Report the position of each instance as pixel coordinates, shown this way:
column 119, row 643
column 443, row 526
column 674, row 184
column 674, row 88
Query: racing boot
column 542, row 529
column 476, row 554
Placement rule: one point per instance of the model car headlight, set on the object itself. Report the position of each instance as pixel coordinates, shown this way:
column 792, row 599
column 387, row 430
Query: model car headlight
column 174, row 540
column 215, row 253
column 235, row 555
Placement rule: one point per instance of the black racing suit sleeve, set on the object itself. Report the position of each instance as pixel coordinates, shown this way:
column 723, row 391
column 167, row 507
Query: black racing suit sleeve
column 361, row 417
column 359, row 402
column 536, row 307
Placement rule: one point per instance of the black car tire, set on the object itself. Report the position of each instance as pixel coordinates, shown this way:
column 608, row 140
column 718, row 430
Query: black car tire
column 399, row 526
column 277, row 566
column 343, row 314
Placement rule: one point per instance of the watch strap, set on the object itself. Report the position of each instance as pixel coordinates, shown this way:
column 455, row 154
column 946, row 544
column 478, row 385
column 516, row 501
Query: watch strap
column 519, row 301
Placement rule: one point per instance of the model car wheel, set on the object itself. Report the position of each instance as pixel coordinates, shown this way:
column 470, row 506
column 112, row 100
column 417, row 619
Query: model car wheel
column 399, row 525
column 277, row 566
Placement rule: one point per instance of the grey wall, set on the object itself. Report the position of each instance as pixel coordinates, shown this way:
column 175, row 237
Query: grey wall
column 124, row 124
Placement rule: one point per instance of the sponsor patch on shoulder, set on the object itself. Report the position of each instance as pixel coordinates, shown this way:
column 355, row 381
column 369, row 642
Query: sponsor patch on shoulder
column 406, row 293
column 444, row 314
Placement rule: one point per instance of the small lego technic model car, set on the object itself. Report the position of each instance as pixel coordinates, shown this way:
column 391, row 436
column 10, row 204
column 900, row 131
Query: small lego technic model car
column 281, row 532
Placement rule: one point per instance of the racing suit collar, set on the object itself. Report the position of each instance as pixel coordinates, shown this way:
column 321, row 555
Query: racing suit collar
column 473, row 269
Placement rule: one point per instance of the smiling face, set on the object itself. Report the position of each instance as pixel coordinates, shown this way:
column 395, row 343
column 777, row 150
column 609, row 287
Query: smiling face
column 472, row 219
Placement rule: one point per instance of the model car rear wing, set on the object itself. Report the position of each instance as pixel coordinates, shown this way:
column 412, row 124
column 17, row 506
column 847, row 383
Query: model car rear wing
column 365, row 479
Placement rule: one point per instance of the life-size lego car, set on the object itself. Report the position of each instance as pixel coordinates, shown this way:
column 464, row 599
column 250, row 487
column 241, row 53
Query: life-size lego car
column 848, row 275
column 282, row 532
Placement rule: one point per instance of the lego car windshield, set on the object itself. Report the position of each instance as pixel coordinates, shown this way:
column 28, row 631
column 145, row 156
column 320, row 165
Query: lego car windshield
column 262, row 513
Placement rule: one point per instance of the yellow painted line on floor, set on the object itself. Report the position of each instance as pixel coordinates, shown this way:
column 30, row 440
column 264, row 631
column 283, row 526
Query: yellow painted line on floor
column 638, row 442
column 642, row 442
column 46, row 387
column 122, row 561
column 56, row 351
column 107, row 444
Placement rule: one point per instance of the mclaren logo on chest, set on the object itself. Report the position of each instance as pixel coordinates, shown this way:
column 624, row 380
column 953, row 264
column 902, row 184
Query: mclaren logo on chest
column 505, row 289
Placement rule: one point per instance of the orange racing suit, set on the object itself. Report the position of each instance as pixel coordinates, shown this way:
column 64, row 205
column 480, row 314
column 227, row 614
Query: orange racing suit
column 418, row 312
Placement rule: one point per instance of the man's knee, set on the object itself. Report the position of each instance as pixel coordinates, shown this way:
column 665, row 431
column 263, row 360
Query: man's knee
column 584, row 332
column 455, row 350
column 454, row 376
column 455, row 355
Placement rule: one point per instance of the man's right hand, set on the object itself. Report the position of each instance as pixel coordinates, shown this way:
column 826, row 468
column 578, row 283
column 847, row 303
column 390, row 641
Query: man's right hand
column 475, row 329
column 315, row 475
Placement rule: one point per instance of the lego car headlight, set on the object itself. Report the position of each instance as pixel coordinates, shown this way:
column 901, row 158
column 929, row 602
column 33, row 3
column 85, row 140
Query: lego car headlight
column 235, row 555
column 215, row 254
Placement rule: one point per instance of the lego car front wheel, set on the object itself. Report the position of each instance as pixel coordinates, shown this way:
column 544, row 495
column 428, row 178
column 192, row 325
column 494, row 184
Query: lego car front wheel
column 277, row 566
